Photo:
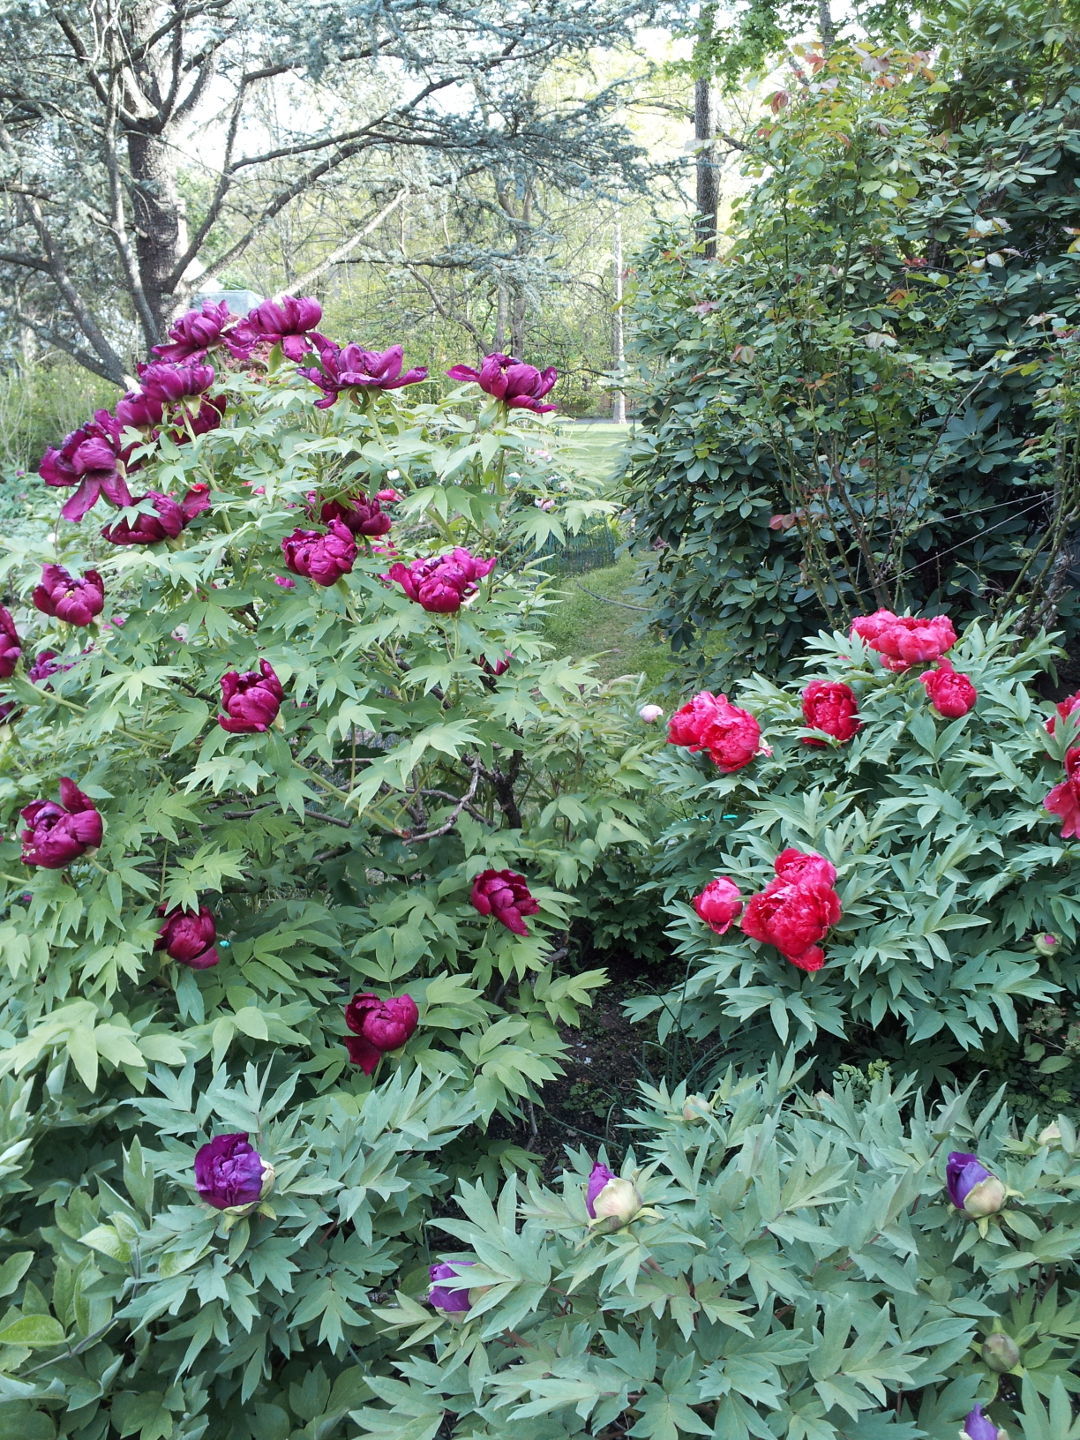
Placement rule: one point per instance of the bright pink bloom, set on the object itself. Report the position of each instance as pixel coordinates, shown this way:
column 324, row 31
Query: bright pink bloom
column 355, row 369
column 804, row 867
column 251, row 700
column 65, row 598
column 166, row 524
column 93, row 459
column 504, row 895
column 951, row 693
column 443, row 583
column 904, row 640
column 378, row 1026
column 1064, row 799
column 830, row 705
column 719, row 904
column 710, row 722
column 322, row 557
column 518, row 386
column 10, row 645
column 201, row 330
column 1065, row 708
column 188, row 936
column 358, row 514
column 57, row 834
column 285, row 322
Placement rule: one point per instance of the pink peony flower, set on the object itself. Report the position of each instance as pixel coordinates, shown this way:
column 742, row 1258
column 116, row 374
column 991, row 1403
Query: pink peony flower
column 904, row 640
column 1064, row 799
column 710, row 722
column 830, row 705
column 504, row 895
column 378, row 1026
column 951, row 693
column 719, row 904
column 322, row 557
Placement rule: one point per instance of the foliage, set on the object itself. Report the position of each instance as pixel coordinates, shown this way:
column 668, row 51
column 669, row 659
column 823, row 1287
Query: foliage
column 798, row 1272
column 336, row 851
column 869, row 401
column 948, row 866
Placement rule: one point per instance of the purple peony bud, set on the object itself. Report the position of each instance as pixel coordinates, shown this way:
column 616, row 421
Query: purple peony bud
column 10, row 645
column 972, row 1188
column 250, row 701
column 378, row 1026
column 93, row 459
column 65, row 598
column 358, row 371
column 55, row 835
column 518, row 386
column 201, row 330
column 454, row 1302
column 229, row 1173
column 504, row 895
column 166, row 524
column 321, row 557
column 285, row 322
column 188, row 937
column 978, row 1427
column 610, row 1201
column 444, row 583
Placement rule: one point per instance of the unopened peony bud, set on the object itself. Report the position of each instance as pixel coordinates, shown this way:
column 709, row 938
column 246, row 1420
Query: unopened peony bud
column 1049, row 1134
column 972, row 1188
column 651, row 713
column 1048, row 943
column 978, row 1426
column 696, row 1108
column 611, row 1201
column 1001, row 1352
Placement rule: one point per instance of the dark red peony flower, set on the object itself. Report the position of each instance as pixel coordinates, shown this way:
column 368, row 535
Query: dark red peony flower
column 359, row 515
column 94, row 460
column 320, row 556
column 830, row 705
column 57, row 834
column 201, row 330
column 169, row 519
column 10, row 645
column 64, row 597
column 188, row 936
column 251, row 700
column 444, row 583
column 504, row 894
column 518, row 386
column 378, row 1026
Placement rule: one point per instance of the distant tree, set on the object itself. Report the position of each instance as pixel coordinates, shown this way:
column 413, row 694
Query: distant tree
column 102, row 103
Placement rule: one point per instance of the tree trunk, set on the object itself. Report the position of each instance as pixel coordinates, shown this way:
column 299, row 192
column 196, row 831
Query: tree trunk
column 159, row 229
column 708, row 189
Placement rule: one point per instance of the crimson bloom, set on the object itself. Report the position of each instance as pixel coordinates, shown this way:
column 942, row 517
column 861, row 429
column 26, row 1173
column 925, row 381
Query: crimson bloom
column 201, row 330
column 141, row 411
column 830, row 705
column 443, row 583
column 188, row 936
column 904, row 640
column 57, row 834
column 64, row 597
column 355, row 369
column 250, row 700
column 10, row 645
column 1064, row 799
column 710, row 722
column 1065, row 708
column 229, row 1171
column 378, row 1026
column 322, row 557
column 358, row 514
column 285, row 322
column 504, row 895
column 166, row 524
column 454, row 1302
column 795, row 910
column 94, row 460
column 719, row 904
column 951, row 693
column 518, row 386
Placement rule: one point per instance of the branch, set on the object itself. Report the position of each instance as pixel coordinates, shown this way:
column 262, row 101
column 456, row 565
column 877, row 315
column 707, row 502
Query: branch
column 441, row 309
column 64, row 342
column 460, row 803
column 336, row 256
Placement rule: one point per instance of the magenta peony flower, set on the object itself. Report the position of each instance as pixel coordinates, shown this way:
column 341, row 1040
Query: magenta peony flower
column 166, row 524
column 378, row 1026
column 978, row 1427
column 251, row 700
column 359, row 515
column 288, row 321
column 358, row 371
column 830, row 705
column 229, row 1172
column 55, row 835
column 795, row 910
column 189, row 937
column 710, row 722
column 951, row 693
column 10, row 645
column 201, row 330
column 504, row 895
column 322, row 558
column 93, row 459
column 518, row 386
column 798, row 867
column 454, row 1302
column 904, row 640
column 719, row 904
column 444, row 583
column 65, row 598
column 140, row 411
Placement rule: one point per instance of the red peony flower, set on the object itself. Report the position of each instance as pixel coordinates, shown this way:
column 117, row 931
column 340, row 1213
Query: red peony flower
column 830, row 705
column 188, row 936
column 795, row 910
column 322, row 557
column 166, row 524
column 444, row 583
column 719, row 904
column 64, row 597
column 710, row 722
column 358, row 514
column 1064, row 799
column 504, row 894
column 804, row 867
column 1065, row 708
column 951, row 693
column 250, row 701
column 55, row 835
column 378, row 1026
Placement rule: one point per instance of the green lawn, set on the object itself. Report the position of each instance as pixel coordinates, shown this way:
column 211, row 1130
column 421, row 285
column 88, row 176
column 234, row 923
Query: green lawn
column 598, row 617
